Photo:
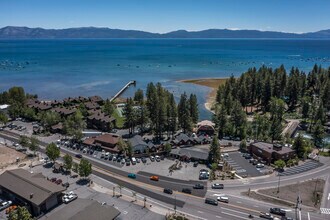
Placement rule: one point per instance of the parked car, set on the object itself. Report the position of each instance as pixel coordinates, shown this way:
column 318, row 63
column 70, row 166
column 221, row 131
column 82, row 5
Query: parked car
column 186, row 190
column 168, row 191
column 5, row 205
column 58, row 181
column 152, row 158
column 157, row 158
column 277, row 211
column 144, row 160
column 53, row 180
column 79, row 156
column 66, row 185
column 131, row 175
column 198, row 186
column 266, row 215
column 195, row 163
column 217, row 186
column 128, row 162
column 69, row 198
column 260, row 165
column 133, row 160
column 138, row 160
column 223, row 199
column 154, row 178
column 211, row 201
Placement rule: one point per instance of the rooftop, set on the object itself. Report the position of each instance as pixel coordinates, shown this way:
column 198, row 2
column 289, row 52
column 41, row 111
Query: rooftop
column 268, row 147
column 25, row 184
column 84, row 209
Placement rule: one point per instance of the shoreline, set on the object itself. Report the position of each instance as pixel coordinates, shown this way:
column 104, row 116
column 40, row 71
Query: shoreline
column 212, row 83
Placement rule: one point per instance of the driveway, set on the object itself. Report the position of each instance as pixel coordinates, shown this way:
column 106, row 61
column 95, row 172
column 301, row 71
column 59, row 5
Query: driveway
column 242, row 165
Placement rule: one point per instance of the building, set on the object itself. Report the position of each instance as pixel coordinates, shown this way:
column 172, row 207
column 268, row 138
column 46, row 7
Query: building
column 183, row 139
column 140, row 146
column 31, row 190
column 84, row 209
column 271, row 152
column 205, row 127
column 107, row 142
column 190, row 153
column 98, row 120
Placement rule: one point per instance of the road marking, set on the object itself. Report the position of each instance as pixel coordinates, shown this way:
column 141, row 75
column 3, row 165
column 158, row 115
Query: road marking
column 237, row 216
column 256, row 206
column 299, row 215
column 238, row 201
column 200, row 212
column 325, row 211
column 329, row 196
column 218, row 216
column 244, row 213
column 308, row 216
column 125, row 212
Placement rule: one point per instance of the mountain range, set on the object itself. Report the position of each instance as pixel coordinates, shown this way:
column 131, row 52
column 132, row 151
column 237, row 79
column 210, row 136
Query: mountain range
column 13, row 32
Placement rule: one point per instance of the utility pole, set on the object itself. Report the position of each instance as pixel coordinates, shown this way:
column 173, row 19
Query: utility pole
column 113, row 191
column 279, row 181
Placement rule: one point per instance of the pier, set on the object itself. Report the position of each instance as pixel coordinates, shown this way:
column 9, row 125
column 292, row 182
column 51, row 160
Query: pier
column 133, row 82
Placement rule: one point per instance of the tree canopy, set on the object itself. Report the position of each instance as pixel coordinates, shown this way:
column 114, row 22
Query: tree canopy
column 52, row 151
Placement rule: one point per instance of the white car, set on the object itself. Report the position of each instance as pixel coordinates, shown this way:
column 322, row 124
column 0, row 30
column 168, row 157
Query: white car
column 260, row 165
column 223, row 199
column 157, row 158
column 70, row 198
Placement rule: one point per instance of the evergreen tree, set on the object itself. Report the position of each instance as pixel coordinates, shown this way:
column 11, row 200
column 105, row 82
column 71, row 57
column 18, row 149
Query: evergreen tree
column 139, row 97
column 276, row 118
column 74, row 125
column 108, row 107
column 299, row 146
column 172, row 115
column 221, row 121
column 129, row 115
column 193, row 105
column 214, row 152
column 318, row 134
column 185, row 121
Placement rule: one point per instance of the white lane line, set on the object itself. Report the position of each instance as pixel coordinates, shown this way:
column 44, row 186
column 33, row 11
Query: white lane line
column 237, row 216
column 256, row 206
column 308, row 216
column 218, row 216
column 299, row 215
column 231, row 210
column 238, row 201
column 200, row 212
column 329, row 196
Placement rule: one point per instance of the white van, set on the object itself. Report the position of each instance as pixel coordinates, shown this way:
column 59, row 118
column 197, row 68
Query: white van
column 223, row 199
column 133, row 161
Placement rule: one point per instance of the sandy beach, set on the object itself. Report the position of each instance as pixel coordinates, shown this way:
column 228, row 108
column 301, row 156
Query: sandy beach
column 212, row 83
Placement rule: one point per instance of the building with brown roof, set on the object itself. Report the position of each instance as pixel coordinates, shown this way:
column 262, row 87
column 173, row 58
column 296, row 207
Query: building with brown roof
column 31, row 190
column 96, row 99
column 205, row 127
column 64, row 112
column 271, row 152
column 92, row 105
column 98, row 120
column 107, row 142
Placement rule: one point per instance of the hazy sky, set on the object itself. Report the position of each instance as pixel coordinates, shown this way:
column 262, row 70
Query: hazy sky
column 168, row 15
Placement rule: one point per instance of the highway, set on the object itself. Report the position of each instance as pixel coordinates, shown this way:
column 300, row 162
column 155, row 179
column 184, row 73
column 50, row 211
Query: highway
column 239, row 207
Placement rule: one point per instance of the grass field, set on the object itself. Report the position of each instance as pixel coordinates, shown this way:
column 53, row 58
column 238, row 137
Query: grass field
column 119, row 120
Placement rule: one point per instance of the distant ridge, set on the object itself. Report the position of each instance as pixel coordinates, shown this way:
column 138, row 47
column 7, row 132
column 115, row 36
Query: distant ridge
column 12, row 32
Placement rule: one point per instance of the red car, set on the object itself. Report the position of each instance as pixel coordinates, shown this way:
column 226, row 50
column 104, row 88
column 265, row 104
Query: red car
column 58, row 182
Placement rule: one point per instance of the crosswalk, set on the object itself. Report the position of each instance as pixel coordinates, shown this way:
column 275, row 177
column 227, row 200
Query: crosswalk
column 309, row 165
column 325, row 211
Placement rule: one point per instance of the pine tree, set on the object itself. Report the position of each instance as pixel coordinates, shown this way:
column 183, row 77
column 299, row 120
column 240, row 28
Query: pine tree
column 193, row 105
column 276, row 118
column 128, row 112
column 214, row 152
column 185, row 121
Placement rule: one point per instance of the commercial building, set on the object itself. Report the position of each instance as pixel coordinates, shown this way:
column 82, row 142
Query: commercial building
column 271, row 152
column 84, row 209
column 31, row 190
column 205, row 127
column 107, row 142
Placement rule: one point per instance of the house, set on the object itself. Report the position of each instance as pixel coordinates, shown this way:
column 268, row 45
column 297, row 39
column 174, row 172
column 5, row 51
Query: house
column 58, row 128
column 107, row 142
column 31, row 190
column 205, row 127
column 65, row 111
column 92, row 105
column 96, row 99
column 84, row 209
column 140, row 146
column 271, row 152
column 183, row 139
column 98, row 120
column 190, row 153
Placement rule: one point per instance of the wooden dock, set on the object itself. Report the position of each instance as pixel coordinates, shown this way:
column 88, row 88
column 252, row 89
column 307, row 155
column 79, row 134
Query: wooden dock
column 133, row 82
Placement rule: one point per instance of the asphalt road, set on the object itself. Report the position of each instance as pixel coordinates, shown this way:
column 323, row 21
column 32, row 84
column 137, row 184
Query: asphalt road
column 238, row 208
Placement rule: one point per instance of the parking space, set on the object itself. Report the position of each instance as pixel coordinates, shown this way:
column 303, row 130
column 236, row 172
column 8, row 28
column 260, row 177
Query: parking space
column 309, row 165
column 242, row 166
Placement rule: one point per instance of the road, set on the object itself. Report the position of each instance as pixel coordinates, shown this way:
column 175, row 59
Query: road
column 238, row 208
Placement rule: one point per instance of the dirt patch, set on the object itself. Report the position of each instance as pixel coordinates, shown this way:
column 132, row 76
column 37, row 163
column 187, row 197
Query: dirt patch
column 310, row 193
column 8, row 156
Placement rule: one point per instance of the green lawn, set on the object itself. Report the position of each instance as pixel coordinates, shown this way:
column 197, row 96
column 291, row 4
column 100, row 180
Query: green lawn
column 119, row 120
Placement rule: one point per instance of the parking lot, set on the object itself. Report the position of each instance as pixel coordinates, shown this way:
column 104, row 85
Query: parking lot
column 309, row 165
column 242, row 166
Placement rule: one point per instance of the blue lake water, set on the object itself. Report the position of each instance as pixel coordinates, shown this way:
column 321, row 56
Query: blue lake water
column 60, row 68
